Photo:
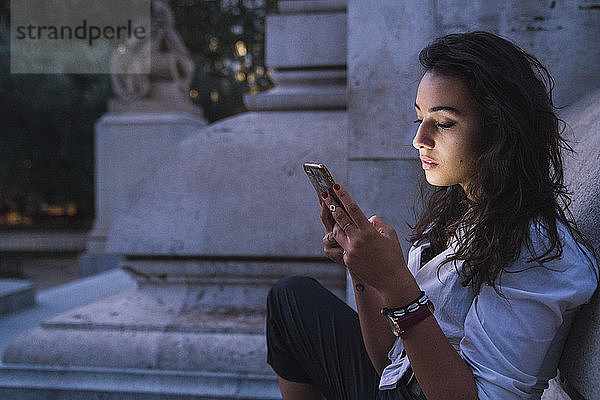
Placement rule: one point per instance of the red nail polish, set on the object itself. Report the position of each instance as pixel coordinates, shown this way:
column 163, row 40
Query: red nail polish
column 336, row 186
column 324, row 195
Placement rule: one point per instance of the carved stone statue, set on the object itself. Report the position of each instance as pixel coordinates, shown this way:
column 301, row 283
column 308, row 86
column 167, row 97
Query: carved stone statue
column 161, row 86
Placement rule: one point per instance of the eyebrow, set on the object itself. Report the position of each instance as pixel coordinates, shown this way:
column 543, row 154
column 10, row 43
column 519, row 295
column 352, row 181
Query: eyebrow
column 440, row 108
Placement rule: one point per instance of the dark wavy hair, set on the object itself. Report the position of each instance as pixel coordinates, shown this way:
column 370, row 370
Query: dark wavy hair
column 519, row 173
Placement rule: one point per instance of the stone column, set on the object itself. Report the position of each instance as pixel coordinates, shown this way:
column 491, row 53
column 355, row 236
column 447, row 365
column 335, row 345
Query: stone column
column 384, row 39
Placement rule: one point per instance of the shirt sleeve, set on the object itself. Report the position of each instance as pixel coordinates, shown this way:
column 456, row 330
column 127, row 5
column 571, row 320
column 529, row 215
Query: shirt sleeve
column 509, row 337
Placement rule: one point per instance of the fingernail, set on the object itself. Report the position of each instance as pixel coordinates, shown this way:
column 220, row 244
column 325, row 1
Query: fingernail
column 336, row 186
column 324, row 195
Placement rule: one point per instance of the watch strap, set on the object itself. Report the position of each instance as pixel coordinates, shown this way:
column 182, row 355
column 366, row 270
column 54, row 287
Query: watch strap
column 402, row 318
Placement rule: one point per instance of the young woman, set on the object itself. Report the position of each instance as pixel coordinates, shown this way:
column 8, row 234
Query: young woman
column 497, row 269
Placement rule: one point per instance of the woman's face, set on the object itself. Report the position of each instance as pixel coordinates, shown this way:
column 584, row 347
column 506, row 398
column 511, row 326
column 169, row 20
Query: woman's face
column 450, row 129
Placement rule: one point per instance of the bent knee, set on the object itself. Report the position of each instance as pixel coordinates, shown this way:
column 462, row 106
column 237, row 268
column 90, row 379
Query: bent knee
column 292, row 284
column 292, row 287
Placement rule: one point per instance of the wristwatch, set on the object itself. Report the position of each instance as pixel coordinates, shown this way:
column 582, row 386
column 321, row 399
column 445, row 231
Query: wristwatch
column 402, row 318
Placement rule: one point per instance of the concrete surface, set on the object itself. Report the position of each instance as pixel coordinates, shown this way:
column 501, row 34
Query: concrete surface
column 41, row 382
column 306, row 39
column 56, row 300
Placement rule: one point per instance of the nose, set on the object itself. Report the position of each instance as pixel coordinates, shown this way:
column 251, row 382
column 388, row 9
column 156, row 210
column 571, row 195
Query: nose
column 423, row 138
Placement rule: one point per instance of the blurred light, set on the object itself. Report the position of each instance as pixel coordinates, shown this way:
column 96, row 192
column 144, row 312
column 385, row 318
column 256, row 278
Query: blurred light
column 214, row 96
column 253, row 90
column 213, row 44
column 16, row 218
column 240, row 76
column 240, row 48
column 251, row 78
column 55, row 211
column 27, row 164
column 13, row 217
column 193, row 93
column 71, row 209
column 121, row 49
column 260, row 71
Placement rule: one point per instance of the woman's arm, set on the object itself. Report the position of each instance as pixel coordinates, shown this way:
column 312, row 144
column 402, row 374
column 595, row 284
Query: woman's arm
column 440, row 370
column 372, row 253
column 377, row 336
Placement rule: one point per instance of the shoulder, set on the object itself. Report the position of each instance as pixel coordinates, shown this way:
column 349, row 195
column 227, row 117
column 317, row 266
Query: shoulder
column 572, row 276
column 513, row 336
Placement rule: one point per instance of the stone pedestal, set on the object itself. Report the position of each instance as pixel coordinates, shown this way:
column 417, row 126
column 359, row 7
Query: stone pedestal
column 205, row 236
column 213, row 324
column 127, row 146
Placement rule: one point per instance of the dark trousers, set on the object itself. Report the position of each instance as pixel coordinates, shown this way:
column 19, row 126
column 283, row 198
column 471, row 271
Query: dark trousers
column 314, row 337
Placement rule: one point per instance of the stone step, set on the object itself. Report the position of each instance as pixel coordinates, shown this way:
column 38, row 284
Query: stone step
column 15, row 295
column 36, row 242
column 72, row 383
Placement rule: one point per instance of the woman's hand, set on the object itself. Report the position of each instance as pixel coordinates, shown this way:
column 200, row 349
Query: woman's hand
column 332, row 248
column 369, row 248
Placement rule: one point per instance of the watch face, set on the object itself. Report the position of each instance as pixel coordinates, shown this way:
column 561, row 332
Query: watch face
column 393, row 325
column 430, row 306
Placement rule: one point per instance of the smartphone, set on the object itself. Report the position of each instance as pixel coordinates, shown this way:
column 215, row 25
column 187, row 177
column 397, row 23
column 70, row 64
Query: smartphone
column 321, row 179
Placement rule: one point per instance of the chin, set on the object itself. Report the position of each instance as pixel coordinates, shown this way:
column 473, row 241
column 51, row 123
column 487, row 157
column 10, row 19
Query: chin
column 433, row 181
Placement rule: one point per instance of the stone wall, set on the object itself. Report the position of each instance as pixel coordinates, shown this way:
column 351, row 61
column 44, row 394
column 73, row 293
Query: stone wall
column 384, row 39
column 580, row 364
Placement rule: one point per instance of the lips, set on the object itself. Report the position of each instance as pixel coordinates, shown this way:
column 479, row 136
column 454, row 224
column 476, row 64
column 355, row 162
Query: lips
column 427, row 163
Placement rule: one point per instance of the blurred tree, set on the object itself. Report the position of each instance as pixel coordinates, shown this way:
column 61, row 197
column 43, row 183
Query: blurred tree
column 46, row 121
column 226, row 41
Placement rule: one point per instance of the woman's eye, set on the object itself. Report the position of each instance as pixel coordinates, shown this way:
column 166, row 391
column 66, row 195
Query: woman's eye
column 418, row 121
column 444, row 125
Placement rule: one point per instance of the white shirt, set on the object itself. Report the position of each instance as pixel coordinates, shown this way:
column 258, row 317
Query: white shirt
column 512, row 344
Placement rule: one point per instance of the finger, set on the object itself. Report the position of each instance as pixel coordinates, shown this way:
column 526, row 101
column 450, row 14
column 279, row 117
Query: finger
column 335, row 254
column 383, row 227
column 340, row 236
column 326, row 217
column 329, row 241
column 353, row 210
column 344, row 223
